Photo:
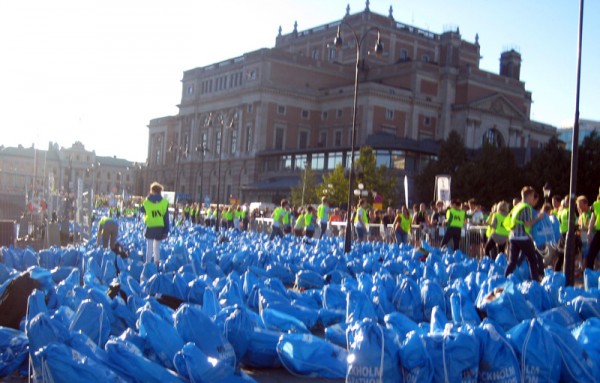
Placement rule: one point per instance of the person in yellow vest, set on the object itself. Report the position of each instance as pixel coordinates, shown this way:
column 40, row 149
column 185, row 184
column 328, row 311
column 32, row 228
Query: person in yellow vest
column 108, row 230
column 583, row 222
column 402, row 224
column 278, row 213
column 563, row 220
column 299, row 226
column 245, row 218
column 287, row 220
column 193, row 211
column 229, row 215
column 309, row 222
column 594, row 234
column 519, row 221
column 187, row 211
column 323, row 216
column 497, row 234
column 556, row 205
column 207, row 216
column 156, row 210
column 455, row 221
column 237, row 217
column 361, row 220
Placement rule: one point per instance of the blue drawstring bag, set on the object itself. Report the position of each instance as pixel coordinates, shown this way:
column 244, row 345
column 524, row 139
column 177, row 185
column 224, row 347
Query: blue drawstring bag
column 586, row 307
column 161, row 336
column 506, row 306
column 336, row 334
column 455, row 354
column 308, row 279
column 537, row 352
column 334, row 298
column 194, row 325
column 576, row 365
column 587, row 334
column 565, row 316
column 238, row 327
column 61, row 363
column 401, row 324
column 417, row 365
column 310, row 356
column 432, row 295
column 14, row 348
column 191, row 363
column 128, row 360
column 359, row 307
column 498, row 361
column 407, row 299
column 92, row 319
column 281, row 321
column 262, row 351
column 374, row 353
column 463, row 310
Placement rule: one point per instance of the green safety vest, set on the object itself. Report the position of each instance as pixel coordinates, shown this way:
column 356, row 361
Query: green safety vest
column 229, row 215
column 455, row 218
column 237, row 214
column 286, row 218
column 405, row 223
column 563, row 218
column 362, row 212
column 308, row 217
column 596, row 209
column 102, row 220
column 512, row 220
column 500, row 229
column 155, row 212
column 300, row 222
column 323, row 212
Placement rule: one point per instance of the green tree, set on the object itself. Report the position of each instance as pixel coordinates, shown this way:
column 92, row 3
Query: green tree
column 338, row 192
column 553, row 165
column 307, row 188
column 588, row 167
column 376, row 178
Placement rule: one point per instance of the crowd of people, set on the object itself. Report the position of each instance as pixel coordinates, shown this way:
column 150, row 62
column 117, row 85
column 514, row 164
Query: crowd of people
column 505, row 229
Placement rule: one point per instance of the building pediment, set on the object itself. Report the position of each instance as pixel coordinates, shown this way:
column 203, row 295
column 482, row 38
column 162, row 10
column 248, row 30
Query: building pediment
column 498, row 105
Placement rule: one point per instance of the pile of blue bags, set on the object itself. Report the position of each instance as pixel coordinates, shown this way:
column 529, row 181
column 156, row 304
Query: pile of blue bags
column 214, row 310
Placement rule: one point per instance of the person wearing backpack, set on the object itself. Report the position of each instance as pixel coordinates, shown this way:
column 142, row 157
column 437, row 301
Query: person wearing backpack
column 519, row 221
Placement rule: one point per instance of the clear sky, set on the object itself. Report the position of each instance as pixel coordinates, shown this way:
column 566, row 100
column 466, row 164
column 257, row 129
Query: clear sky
column 97, row 71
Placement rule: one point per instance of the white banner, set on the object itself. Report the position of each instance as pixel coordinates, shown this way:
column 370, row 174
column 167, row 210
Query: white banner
column 442, row 189
column 406, row 190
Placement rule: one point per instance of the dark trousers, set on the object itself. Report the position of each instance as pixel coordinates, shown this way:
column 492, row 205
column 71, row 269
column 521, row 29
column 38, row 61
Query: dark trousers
column 525, row 247
column 492, row 249
column 452, row 233
column 593, row 251
column 323, row 229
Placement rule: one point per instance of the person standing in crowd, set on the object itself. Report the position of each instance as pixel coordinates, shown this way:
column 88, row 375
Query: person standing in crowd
column 556, row 205
column 309, row 222
column 286, row 220
column 156, row 210
column 387, row 228
column 583, row 222
column 594, row 234
column 519, row 222
column 361, row 220
column 401, row 225
column 108, row 230
column 278, row 213
column 323, row 216
column 335, row 217
column 498, row 234
column 299, row 226
column 455, row 221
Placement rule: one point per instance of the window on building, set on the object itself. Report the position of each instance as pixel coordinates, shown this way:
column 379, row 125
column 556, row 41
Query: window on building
column 300, row 161
column 323, row 139
column 398, row 160
column 337, row 138
column 248, row 139
column 389, row 114
column 317, row 161
column 281, row 109
column 218, row 143
column 315, row 53
column 305, row 114
column 324, row 115
column 279, row 138
column 303, row 139
column 403, row 54
column 339, row 113
column 250, row 108
column 427, row 121
column 493, row 137
column 190, row 89
column 286, row 163
column 425, row 58
column 334, row 158
column 234, row 141
column 332, row 53
column 382, row 158
column 204, row 140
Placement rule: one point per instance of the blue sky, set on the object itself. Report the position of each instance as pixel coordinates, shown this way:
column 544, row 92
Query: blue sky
column 99, row 71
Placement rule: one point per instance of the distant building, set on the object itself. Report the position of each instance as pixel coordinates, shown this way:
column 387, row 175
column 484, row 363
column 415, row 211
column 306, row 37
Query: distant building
column 586, row 128
column 269, row 113
column 53, row 174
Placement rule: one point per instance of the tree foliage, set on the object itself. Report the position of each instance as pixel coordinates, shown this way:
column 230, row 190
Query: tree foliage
column 338, row 192
column 308, row 187
column 588, row 171
column 553, row 165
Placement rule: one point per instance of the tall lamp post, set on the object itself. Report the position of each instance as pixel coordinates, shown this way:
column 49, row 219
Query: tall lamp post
column 202, row 149
column 378, row 49
column 222, row 120
column 177, row 149
column 304, row 182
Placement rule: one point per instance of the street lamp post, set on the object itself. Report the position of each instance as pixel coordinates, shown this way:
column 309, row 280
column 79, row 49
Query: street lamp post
column 304, row 182
column 202, row 149
column 338, row 42
column 177, row 150
column 222, row 121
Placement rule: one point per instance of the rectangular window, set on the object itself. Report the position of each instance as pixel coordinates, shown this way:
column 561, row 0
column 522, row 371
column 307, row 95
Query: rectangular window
column 190, row 89
column 337, row 140
column 324, row 115
column 286, row 163
column 333, row 159
column 281, row 109
column 382, row 157
column 339, row 113
column 279, row 138
column 315, row 53
column 300, row 161
column 250, row 108
column 317, row 161
column 403, row 55
column 234, row 139
column 426, row 121
column 305, row 114
column 204, row 141
column 332, row 52
column 323, row 139
column 218, row 143
column 303, row 139
column 425, row 58
column 389, row 114
column 248, row 139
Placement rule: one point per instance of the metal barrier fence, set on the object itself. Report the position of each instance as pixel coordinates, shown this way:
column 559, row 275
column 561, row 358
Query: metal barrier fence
column 472, row 240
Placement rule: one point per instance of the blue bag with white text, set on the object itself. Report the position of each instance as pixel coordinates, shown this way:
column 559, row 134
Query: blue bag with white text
column 311, row 356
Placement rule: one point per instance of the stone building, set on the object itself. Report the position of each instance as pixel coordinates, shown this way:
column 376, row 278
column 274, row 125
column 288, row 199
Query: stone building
column 248, row 126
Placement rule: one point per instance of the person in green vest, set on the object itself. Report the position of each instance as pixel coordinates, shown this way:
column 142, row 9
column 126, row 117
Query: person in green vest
column 278, row 213
column 207, row 216
column 497, row 234
column 187, row 211
column 455, row 221
column 519, row 221
column 402, row 224
column 229, row 215
column 309, row 222
column 299, row 226
column 193, row 212
column 156, row 218
column 583, row 222
column 237, row 217
column 287, row 220
column 108, row 230
column 593, row 233
column 245, row 218
column 323, row 216
column 361, row 220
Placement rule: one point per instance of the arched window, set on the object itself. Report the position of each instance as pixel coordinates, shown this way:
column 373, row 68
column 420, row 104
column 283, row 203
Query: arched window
column 493, row 137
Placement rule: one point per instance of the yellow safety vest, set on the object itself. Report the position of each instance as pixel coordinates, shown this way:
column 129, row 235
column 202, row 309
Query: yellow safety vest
column 405, row 223
column 511, row 221
column 155, row 212
column 563, row 218
column 596, row 209
column 455, row 218
column 308, row 217
column 362, row 212
column 300, row 222
column 500, row 229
